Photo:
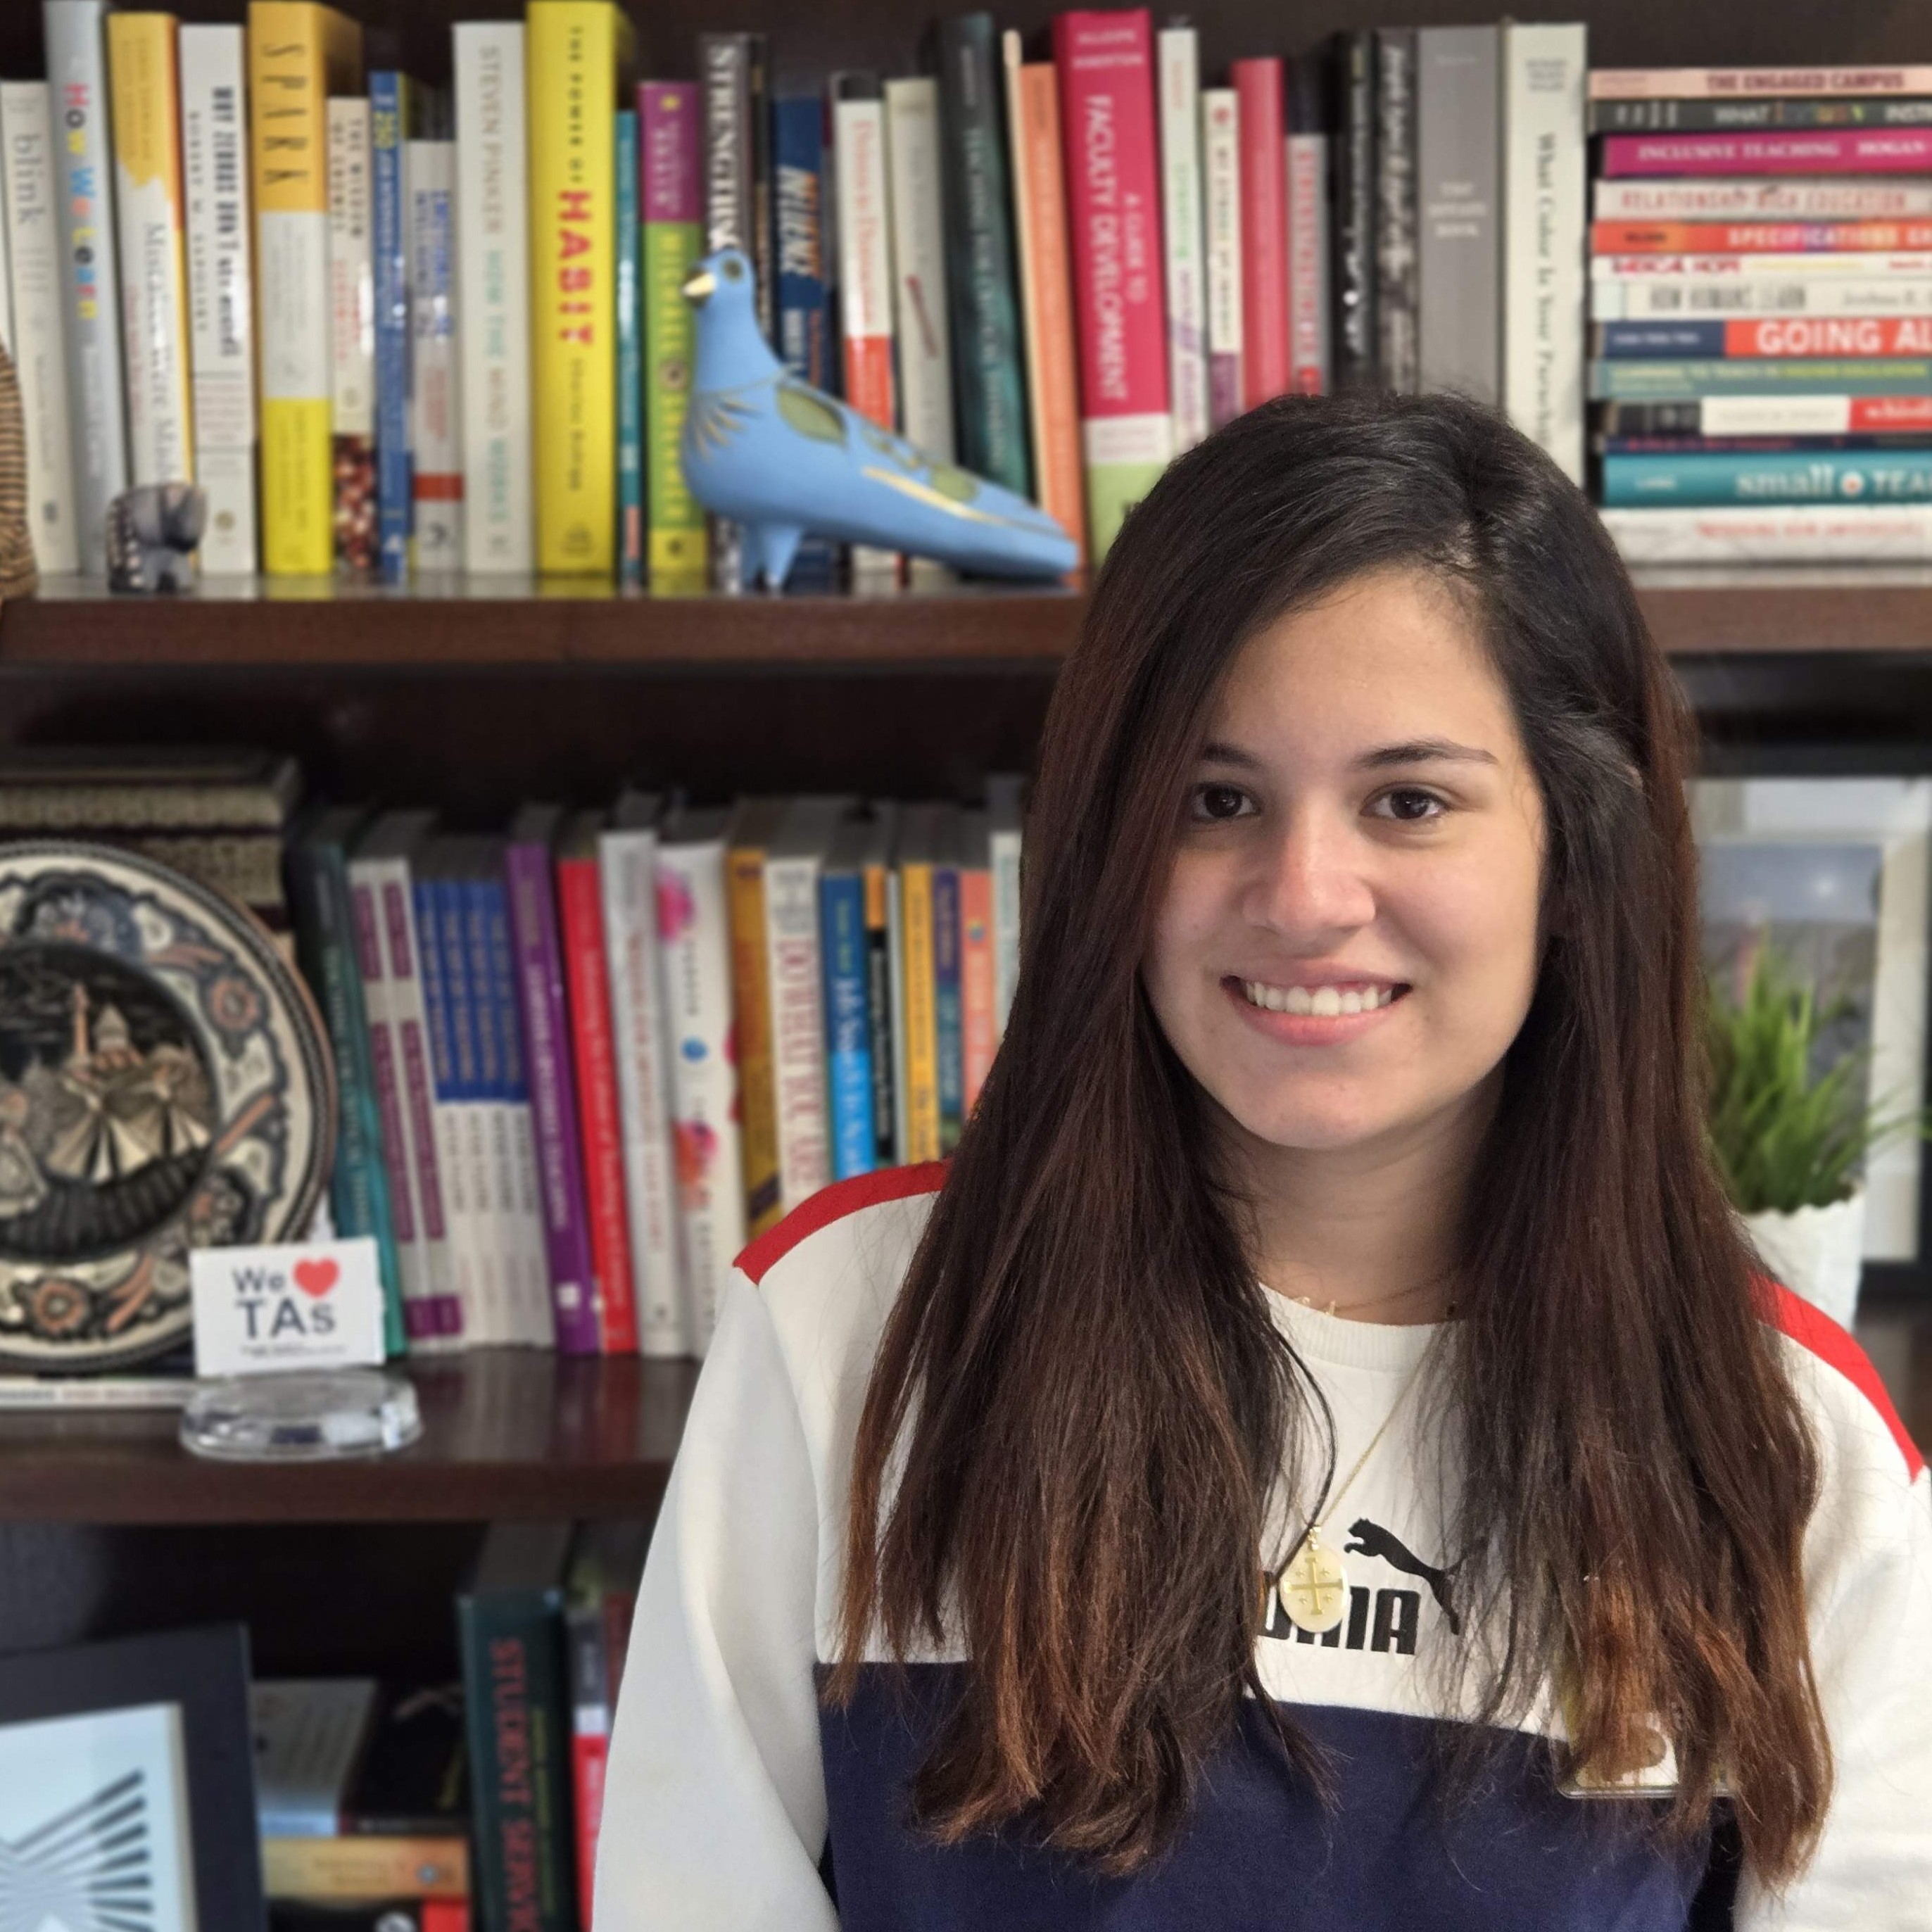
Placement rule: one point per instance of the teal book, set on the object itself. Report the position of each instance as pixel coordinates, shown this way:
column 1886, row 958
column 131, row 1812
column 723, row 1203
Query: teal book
column 948, row 1003
column 1636, row 379
column 630, row 360
column 843, row 952
column 317, row 865
column 989, row 394
column 1700, row 480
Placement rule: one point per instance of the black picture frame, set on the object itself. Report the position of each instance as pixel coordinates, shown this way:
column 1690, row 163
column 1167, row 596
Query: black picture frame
column 204, row 1671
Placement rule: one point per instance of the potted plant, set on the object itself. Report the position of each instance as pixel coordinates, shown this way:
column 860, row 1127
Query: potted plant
column 1790, row 1127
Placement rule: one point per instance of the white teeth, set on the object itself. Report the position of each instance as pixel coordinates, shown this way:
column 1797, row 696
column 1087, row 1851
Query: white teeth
column 1299, row 1000
column 1351, row 1002
column 1325, row 1002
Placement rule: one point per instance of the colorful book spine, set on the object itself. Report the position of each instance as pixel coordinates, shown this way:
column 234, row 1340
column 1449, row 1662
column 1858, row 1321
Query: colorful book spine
column 1221, row 175
column 948, row 1008
column 799, row 214
column 1670, row 296
column 1002, row 798
column 144, row 84
column 673, row 237
column 359, row 1182
column 918, row 986
column 627, row 873
column 1106, row 78
column 593, row 1706
column 1896, row 476
column 991, row 411
column 1849, row 151
column 1179, row 54
column 758, row 1106
column 877, row 880
column 1543, row 71
column 546, row 1031
column 1773, row 336
column 1397, row 319
column 493, row 268
column 922, row 324
column 864, row 231
column 576, row 50
column 1697, row 83
column 1840, row 533
column 1458, row 270
column 1264, row 163
column 40, row 355
column 1355, row 198
column 1046, row 288
column 1772, row 415
column 1711, row 271
column 77, row 78
column 299, row 55
column 1822, row 199
column 391, row 115
column 1644, row 380
column 1767, row 237
column 1698, row 117
column 1310, row 367
column 795, row 981
column 599, row 1119
column 979, row 1019
column 630, row 359
column 695, row 942
column 352, row 334
column 848, row 1028
column 436, row 420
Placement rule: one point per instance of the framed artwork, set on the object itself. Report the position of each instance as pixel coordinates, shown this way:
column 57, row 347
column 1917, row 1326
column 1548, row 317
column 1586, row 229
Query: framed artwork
column 127, row 1786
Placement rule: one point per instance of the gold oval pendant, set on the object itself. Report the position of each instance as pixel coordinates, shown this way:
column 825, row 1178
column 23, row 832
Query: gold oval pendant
column 1314, row 1589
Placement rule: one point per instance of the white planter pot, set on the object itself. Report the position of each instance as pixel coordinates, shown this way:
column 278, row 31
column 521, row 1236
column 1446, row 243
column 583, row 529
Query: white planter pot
column 1816, row 1252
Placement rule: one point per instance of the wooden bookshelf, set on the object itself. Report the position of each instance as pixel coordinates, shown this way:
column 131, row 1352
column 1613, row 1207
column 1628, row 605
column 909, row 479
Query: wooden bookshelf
column 507, row 1432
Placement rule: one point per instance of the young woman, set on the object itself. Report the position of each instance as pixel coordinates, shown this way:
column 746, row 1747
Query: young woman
column 1321, row 1454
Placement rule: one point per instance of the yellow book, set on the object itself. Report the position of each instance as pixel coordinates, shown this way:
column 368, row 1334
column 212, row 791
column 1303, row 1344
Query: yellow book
column 299, row 53
column 922, row 1018
column 578, row 52
column 753, row 828
column 358, row 1867
column 144, row 88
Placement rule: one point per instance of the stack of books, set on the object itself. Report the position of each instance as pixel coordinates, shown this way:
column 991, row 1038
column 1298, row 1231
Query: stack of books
column 1761, row 306
column 393, row 327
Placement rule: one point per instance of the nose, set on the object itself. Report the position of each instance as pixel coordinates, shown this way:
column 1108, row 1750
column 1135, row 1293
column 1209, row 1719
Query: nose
column 1312, row 885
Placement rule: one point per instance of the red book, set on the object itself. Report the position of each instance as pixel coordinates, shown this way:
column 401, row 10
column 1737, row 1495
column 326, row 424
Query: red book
column 1827, row 335
column 1258, row 91
column 979, row 1020
column 1758, row 237
column 1788, row 151
column 593, row 1050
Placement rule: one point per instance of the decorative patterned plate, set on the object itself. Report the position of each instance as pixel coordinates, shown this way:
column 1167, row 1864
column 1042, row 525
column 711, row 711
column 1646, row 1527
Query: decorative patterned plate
column 164, row 1083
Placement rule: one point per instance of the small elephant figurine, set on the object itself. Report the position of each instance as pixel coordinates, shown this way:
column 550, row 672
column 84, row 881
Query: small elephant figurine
column 152, row 531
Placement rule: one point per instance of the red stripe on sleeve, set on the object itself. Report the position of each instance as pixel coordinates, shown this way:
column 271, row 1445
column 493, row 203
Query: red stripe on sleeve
column 833, row 1204
column 1812, row 1328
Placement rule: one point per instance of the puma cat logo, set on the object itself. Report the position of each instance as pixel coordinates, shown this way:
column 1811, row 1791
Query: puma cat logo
column 1366, row 1538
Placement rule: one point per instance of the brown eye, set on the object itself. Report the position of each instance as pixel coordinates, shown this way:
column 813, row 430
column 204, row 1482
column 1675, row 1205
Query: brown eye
column 1216, row 804
column 1409, row 806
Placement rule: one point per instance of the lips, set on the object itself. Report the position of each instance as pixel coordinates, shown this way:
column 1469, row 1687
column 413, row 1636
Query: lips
column 1327, row 1012
column 1328, row 1000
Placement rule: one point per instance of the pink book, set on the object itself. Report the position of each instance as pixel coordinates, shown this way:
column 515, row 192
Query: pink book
column 1258, row 87
column 1837, row 150
column 1113, row 200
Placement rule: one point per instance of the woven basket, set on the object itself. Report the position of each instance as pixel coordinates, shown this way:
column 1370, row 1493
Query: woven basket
column 18, row 577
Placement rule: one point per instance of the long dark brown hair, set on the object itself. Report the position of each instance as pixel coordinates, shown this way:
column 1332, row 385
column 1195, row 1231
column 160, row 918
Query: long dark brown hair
column 1081, row 1412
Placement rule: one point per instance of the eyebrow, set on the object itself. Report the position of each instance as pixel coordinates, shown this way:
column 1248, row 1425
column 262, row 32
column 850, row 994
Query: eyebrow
column 1412, row 751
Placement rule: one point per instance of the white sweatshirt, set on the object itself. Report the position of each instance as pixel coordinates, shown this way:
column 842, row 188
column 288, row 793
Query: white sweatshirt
column 735, row 1803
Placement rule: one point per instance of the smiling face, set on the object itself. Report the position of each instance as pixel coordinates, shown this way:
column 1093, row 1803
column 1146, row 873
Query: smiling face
column 1348, row 938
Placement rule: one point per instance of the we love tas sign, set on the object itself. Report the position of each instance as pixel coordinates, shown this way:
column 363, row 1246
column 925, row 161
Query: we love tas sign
column 287, row 1305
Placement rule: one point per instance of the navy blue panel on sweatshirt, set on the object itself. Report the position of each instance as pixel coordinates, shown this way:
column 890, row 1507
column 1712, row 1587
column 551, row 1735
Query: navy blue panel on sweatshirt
column 1514, row 1855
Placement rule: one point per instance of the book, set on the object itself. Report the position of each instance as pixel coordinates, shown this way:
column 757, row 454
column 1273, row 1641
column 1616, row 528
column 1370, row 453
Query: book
column 1105, row 64
column 1795, row 533
column 948, row 1003
column 1693, row 83
column 324, row 924
column 509, row 1620
column 577, row 51
column 1894, row 476
column 1771, row 416
column 40, row 356
column 1769, row 238
column 377, row 1915
column 1310, row 368
column 991, row 402
column 755, row 825
column 1630, row 299
column 1642, row 379
column 145, row 88
column 310, row 1734
column 1355, row 338
column 380, row 892
column 1396, row 320
column 916, row 862
column 1459, row 337
column 1630, row 444
column 794, row 978
column 392, row 121
column 921, row 325
column 1769, row 336
column 580, row 903
column 352, row 334
column 1003, row 813
column 627, row 873
column 1221, row 213
column 436, row 414
column 1860, row 150
column 895, row 995
column 844, row 946
column 492, row 279
column 695, row 952
column 1543, row 71
column 533, row 932
column 800, row 205
column 299, row 53
column 1826, row 264
column 630, row 359
column 673, row 237
column 346, row 1868
column 1178, row 56
column 1622, row 117
column 1257, row 85
column 979, row 1015
column 1046, row 288
column 1816, row 198
column 90, row 286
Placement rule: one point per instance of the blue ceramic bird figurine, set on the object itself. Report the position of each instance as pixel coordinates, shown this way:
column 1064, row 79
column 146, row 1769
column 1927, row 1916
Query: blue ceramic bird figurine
column 780, row 458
